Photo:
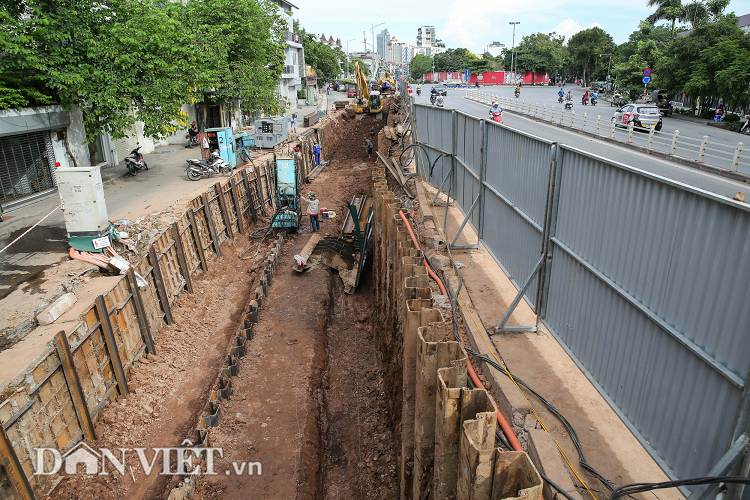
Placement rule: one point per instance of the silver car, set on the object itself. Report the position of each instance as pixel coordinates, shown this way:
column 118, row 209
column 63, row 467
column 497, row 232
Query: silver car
column 643, row 116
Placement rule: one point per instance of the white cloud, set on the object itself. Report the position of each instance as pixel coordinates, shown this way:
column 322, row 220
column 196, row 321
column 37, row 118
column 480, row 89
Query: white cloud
column 569, row 28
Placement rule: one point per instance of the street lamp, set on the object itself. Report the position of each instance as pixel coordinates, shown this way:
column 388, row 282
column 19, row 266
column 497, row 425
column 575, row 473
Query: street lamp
column 374, row 48
column 347, row 57
column 609, row 66
column 513, row 50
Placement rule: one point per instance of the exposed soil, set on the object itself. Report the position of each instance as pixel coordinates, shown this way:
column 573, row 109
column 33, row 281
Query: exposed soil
column 309, row 402
column 169, row 390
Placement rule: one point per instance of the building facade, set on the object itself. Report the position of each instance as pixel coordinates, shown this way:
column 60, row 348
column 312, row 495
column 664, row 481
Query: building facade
column 383, row 39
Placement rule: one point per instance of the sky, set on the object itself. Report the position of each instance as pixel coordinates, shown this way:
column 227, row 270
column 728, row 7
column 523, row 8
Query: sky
column 474, row 24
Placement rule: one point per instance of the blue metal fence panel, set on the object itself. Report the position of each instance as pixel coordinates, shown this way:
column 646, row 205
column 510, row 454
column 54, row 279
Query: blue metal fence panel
column 681, row 255
column 518, row 167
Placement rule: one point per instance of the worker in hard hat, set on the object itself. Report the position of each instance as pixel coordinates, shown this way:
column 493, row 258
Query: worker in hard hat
column 313, row 210
column 316, row 151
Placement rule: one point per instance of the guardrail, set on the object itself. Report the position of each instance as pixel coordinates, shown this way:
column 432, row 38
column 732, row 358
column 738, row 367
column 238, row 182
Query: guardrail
column 701, row 150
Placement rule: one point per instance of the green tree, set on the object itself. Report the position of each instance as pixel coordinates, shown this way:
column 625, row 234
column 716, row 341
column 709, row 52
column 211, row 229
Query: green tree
column 712, row 61
column 695, row 13
column 585, row 47
column 419, row 66
column 540, row 52
column 454, row 60
column 321, row 57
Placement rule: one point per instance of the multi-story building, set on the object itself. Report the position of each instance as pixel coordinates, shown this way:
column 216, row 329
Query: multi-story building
column 293, row 74
column 425, row 36
column 383, row 38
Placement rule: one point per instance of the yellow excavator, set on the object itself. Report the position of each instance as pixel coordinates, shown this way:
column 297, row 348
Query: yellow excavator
column 367, row 101
column 386, row 78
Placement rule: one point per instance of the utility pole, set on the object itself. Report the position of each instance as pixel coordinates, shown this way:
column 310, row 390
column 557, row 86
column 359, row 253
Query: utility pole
column 609, row 66
column 348, row 75
column 374, row 48
column 513, row 51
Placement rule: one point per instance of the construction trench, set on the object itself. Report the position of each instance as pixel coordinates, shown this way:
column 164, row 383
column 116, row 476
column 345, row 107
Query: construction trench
column 311, row 392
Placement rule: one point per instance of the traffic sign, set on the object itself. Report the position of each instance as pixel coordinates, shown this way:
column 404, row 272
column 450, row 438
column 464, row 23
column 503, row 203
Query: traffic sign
column 647, row 72
column 646, row 80
column 607, row 78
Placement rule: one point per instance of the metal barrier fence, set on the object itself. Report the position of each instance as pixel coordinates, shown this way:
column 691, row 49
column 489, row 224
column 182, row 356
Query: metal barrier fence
column 640, row 278
column 730, row 157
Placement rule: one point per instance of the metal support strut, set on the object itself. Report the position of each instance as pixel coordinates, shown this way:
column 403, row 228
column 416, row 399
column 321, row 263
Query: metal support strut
column 453, row 245
column 500, row 327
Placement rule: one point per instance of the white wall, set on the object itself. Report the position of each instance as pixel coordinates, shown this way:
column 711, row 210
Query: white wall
column 178, row 136
column 58, row 147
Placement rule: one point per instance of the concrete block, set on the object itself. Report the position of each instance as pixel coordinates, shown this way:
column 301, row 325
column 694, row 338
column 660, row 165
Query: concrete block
column 57, row 309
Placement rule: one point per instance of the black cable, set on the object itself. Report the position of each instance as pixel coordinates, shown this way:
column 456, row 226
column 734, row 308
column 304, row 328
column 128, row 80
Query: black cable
column 631, row 489
column 505, row 370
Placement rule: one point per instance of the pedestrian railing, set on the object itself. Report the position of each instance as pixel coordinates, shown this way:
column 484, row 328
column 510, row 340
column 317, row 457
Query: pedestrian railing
column 723, row 156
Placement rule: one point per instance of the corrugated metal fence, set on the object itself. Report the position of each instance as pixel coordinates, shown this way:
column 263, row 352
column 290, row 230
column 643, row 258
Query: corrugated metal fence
column 642, row 279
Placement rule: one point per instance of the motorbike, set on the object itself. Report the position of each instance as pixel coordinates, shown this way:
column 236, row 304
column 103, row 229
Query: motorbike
column 135, row 161
column 433, row 98
column 419, row 91
column 440, row 101
column 198, row 169
column 569, row 104
column 560, row 99
column 517, row 94
column 192, row 140
column 585, row 101
column 746, row 127
column 497, row 116
column 594, row 100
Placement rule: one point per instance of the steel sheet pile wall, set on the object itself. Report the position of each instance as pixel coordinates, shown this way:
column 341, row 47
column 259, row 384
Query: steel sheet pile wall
column 40, row 407
column 643, row 279
column 447, row 430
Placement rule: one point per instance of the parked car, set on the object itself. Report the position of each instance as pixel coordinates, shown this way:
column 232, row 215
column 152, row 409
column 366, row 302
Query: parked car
column 597, row 86
column 643, row 116
column 441, row 89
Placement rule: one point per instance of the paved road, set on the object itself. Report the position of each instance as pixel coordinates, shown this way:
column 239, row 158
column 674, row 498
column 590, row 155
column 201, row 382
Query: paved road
column 703, row 180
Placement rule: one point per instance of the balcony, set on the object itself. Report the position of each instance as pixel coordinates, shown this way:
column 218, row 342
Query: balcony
column 290, row 36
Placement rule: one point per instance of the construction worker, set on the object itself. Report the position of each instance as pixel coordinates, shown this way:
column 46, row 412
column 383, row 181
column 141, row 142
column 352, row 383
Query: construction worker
column 313, row 210
column 316, row 151
column 368, row 145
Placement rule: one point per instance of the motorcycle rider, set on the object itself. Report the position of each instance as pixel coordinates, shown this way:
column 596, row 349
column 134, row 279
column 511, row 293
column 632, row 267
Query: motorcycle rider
column 494, row 109
column 585, row 97
column 518, row 90
column 569, row 97
column 433, row 94
column 561, row 94
column 594, row 97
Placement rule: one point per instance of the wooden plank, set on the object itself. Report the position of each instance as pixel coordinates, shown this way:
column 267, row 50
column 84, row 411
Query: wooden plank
column 162, row 291
column 10, row 464
column 236, row 201
column 181, row 257
column 210, row 224
column 249, row 194
column 197, row 239
column 74, row 386
column 223, row 210
column 111, row 345
column 140, row 311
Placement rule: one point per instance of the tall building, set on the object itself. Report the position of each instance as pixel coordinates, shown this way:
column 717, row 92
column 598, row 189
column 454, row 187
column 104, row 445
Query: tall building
column 382, row 43
column 495, row 48
column 425, row 36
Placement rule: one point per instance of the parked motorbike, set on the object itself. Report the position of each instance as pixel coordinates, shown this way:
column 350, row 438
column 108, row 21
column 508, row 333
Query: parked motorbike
column 135, row 161
column 497, row 116
column 198, row 169
column 746, row 127
column 433, row 98
column 440, row 101
column 569, row 104
column 192, row 140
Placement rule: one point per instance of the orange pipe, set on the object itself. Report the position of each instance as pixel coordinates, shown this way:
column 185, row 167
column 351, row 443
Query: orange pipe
column 512, row 439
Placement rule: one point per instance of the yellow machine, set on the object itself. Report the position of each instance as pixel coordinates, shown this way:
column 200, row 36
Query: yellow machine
column 367, row 101
column 386, row 77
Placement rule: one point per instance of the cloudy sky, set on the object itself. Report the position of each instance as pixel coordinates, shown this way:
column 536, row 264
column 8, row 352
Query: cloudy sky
column 474, row 23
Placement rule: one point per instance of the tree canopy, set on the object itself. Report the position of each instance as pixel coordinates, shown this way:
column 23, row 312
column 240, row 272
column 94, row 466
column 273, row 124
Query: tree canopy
column 419, row 66
column 585, row 48
column 543, row 52
column 125, row 61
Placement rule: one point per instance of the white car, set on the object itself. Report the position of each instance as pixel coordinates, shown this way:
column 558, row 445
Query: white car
column 642, row 115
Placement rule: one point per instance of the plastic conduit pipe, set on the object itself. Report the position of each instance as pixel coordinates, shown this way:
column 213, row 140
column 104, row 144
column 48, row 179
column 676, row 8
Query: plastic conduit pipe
column 512, row 439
